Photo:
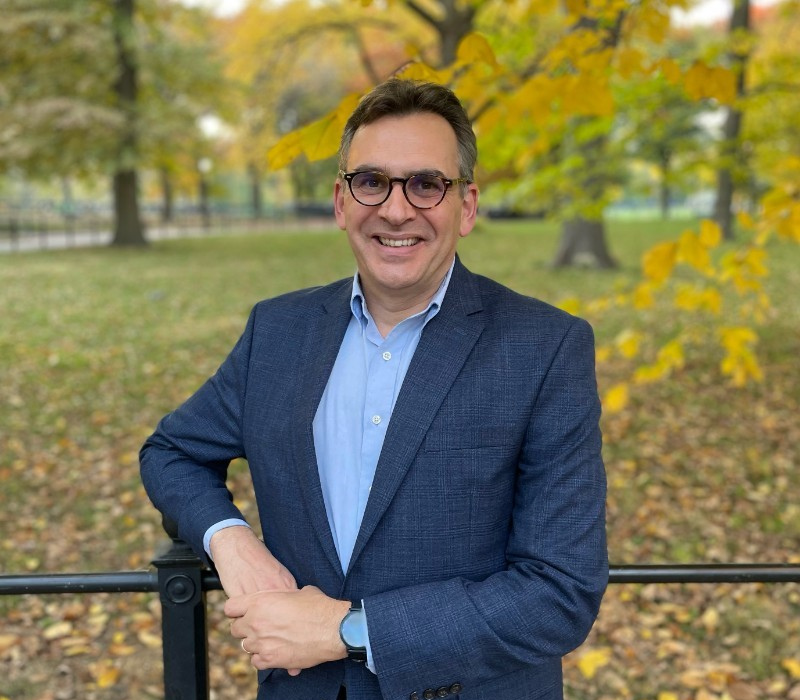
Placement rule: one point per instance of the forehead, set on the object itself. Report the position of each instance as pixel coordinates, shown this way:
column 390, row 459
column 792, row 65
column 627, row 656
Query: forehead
column 408, row 143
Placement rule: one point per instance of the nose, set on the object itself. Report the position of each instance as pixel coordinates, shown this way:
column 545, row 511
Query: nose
column 397, row 209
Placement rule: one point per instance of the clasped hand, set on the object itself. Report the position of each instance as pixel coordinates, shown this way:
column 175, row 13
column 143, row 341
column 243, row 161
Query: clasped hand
column 279, row 625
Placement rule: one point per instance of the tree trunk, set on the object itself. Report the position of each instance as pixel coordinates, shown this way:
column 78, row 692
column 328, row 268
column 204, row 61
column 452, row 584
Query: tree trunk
column 730, row 155
column 664, row 190
column 128, row 229
column 583, row 239
column 167, row 198
column 457, row 22
column 256, row 200
column 127, row 224
column 204, row 205
column 583, row 242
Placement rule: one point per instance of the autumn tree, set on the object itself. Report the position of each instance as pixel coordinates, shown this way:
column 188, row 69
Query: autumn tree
column 731, row 156
column 83, row 92
column 274, row 59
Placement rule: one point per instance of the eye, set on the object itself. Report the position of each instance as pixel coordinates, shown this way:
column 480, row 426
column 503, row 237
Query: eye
column 369, row 181
column 428, row 186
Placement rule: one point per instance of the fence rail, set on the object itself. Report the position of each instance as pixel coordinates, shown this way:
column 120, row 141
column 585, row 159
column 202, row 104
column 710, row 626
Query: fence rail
column 147, row 581
column 182, row 582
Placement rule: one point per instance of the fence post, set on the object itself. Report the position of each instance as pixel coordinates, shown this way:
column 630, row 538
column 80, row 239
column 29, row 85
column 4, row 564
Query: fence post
column 183, row 622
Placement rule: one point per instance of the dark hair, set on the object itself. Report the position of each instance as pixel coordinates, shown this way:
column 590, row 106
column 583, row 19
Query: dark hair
column 397, row 97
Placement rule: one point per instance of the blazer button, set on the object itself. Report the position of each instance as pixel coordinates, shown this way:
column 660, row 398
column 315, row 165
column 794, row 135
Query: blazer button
column 456, row 688
column 429, row 694
column 442, row 692
column 413, row 696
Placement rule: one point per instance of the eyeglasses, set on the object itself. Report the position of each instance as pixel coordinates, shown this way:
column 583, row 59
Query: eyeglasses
column 422, row 191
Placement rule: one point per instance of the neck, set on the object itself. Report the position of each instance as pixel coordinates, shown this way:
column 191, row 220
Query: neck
column 387, row 310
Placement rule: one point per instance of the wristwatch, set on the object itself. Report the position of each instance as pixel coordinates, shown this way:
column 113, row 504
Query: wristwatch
column 352, row 632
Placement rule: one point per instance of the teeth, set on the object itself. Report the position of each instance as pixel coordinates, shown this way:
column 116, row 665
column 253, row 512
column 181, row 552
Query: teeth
column 402, row 243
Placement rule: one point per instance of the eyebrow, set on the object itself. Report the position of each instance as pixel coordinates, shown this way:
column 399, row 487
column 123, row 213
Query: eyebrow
column 367, row 168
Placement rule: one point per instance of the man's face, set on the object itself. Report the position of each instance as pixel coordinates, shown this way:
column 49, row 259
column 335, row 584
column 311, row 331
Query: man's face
column 401, row 147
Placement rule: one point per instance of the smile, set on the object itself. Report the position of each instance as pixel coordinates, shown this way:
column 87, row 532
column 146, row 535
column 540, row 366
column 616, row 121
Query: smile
column 398, row 243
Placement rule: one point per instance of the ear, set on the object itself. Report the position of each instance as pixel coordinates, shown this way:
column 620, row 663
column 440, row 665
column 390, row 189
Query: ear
column 338, row 203
column 469, row 209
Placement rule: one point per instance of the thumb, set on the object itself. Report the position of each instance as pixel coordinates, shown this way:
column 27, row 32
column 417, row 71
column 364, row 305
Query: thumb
column 236, row 606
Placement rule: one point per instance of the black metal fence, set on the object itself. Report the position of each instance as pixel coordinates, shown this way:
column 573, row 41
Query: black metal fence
column 45, row 226
column 181, row 581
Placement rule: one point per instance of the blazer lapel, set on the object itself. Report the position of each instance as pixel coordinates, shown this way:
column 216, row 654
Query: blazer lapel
column 316, row 357
column 443, row 348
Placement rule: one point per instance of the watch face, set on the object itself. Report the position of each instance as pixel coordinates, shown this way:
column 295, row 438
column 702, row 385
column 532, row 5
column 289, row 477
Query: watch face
column 354, row 629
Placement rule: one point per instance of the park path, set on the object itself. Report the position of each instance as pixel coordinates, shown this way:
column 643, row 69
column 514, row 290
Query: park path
column 34, row 241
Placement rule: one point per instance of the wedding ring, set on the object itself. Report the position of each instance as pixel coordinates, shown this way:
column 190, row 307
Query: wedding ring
column 245, row 649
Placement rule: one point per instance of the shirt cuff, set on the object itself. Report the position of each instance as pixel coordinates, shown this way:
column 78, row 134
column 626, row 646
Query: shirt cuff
column 230, row 522
column 370, row 660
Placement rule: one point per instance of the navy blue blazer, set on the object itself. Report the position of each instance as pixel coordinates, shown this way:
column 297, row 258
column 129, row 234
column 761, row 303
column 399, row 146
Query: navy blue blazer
column 481, row 557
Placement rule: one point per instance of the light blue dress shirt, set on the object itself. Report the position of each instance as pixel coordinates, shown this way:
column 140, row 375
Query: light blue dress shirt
column 354, row 414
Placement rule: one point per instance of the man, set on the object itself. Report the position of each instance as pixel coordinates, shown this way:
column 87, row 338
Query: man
column 423, row 443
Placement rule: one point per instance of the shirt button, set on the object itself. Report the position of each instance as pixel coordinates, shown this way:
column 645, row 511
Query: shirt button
column 376, row 420
column 387, row 356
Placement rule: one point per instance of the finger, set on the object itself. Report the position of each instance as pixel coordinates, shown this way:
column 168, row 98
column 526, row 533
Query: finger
column 236, row 606
column 294, row 671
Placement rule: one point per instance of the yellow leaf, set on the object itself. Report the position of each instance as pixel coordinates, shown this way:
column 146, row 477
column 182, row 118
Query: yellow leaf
column 421, row 71
column 654, row 21
column 587, row 95
column 671, row 70
column 7, row 641
column 792, row 666
column 643, row 296
column 58, row 630
column 692, row 252
column 710, row 233
column 629, row 62
column 710, row 620
column 614, row 401
column 671, row 355
column 734, row 338
column 658, row 262
column 667, row 696
column 593, row 660
column 107, row 677
column 602, row 353
column 474, row 48
column 628, row 343
column 317, row 140
column 571, row 305
column 149, row 639
column 285, row 151
column 702, row 81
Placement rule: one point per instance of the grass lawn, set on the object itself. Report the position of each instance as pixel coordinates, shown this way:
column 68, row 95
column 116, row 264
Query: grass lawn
column 96, row 345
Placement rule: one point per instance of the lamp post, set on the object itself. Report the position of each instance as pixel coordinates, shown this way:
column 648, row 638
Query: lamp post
column 204, row 166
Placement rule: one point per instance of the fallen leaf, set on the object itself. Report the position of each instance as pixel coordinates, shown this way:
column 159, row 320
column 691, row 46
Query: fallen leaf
column 148, row 639
column 58, row 630
column 107, row 677
column 7, row 641
column 590, row 662
column 792, row 666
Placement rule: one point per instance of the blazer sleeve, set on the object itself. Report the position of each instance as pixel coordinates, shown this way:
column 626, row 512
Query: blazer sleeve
column 184, row 463
column 544, row 603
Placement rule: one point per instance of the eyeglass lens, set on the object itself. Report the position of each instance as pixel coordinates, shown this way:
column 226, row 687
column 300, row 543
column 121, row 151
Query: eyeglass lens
column 423, row 191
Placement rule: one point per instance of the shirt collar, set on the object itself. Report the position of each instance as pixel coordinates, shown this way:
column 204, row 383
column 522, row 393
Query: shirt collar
column 360, row 311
